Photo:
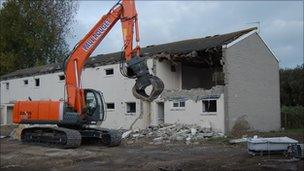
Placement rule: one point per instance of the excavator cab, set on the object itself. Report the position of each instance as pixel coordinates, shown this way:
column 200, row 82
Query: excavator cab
column 95, row 106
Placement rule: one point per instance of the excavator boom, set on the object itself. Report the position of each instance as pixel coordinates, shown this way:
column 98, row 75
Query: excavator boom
column 124, row 11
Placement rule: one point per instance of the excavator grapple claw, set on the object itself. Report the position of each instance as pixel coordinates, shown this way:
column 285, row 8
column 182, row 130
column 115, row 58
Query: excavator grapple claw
column 144, row 79
column 157, row 88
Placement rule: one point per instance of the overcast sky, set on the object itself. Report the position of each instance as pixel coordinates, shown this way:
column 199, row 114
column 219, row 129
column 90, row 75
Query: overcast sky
column 281, row 23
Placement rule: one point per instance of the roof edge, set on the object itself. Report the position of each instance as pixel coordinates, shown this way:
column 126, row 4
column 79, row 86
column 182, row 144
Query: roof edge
column 239, row 39
column 247, row 35
column 275, row 57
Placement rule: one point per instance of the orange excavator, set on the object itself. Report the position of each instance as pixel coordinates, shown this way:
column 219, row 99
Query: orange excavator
column 86, row 107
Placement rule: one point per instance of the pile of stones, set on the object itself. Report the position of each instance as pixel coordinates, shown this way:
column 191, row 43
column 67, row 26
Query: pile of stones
column 165, row 133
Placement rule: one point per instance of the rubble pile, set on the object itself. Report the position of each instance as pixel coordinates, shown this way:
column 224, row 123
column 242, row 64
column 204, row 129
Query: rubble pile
column 171, row 132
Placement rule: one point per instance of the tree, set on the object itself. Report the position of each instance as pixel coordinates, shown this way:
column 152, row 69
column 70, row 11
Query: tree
column 292, row 86
column 33, row 33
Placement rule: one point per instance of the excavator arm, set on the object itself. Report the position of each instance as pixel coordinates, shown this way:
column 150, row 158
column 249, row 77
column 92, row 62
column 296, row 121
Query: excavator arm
column 124, row 11
column 74, row 120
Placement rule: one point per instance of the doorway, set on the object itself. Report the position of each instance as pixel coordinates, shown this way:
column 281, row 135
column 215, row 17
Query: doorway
column 160, row 113
column 9, row 118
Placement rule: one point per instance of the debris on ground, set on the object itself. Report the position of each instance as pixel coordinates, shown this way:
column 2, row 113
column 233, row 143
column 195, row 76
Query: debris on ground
column 166, row 133
column 239, row 140
column 7, row 129
column 126, row 134
column 3, row 136
column 16, row 133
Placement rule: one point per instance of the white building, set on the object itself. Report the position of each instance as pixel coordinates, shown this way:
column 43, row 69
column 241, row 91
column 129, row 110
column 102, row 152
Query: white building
column 217, row 82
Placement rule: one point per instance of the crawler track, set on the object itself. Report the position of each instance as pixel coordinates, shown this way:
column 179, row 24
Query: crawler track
column 52, row 136
column 106, row 137
column 69, row 138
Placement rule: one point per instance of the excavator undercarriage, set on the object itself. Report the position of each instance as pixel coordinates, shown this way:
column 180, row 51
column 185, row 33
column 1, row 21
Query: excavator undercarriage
column 69, row 138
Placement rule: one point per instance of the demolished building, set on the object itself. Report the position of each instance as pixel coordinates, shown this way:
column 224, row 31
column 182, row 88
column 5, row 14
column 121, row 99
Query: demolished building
column 215, row 82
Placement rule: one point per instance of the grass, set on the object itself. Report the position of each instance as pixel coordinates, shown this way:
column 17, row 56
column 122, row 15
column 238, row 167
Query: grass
column 293, row 133
column 294, row 130
column 219, row 140
column 297, row 134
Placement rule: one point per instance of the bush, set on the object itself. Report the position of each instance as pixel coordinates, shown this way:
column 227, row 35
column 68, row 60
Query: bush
column 292, row 116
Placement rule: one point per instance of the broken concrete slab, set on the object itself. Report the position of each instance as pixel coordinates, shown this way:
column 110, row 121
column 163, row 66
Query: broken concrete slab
column 158, row 139
column 193, row 94
column 173, row 132
column 240, row 140
column 135, row 135
column 3, row 136
column 193, row 131
column 126, row 134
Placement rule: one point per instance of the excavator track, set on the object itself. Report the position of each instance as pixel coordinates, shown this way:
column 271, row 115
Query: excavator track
column 52, row 136
column 107, row 137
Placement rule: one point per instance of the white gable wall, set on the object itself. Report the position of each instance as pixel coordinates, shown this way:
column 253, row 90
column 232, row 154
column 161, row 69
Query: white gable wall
column 252, row 85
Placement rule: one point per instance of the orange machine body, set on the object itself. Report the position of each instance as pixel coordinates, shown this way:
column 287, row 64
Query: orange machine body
column 46, row 111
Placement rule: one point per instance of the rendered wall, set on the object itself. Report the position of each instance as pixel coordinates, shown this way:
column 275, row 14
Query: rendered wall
column 192, row 113
column 252, row 85
column 116, row 89
column 50, row 88
column 171, row 79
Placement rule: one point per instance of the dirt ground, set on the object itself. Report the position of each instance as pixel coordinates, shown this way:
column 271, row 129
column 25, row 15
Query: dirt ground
column 208, row 155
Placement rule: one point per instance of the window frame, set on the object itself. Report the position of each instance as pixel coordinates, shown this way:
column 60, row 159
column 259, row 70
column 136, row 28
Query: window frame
column 182, row 102
column 204, row 109
column 60, row 77
column 26, row 82
column 110, row 109
column 7, row 86
column 179, row 106
column 175, row 104
column 35, row 79
column 109, row 69
column 130, row 113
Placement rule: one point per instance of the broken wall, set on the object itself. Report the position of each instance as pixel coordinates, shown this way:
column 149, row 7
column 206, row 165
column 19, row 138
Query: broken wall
column 169, row 73
column 201, row 77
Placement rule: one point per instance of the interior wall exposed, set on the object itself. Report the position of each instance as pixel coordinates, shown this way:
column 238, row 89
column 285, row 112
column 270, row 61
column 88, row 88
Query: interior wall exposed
column 200, row 77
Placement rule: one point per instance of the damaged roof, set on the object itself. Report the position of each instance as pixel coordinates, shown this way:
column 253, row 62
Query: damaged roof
column 180, row 47
column 194, row 94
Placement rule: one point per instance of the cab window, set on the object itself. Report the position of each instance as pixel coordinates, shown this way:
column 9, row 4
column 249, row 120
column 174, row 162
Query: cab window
column 91, row 103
